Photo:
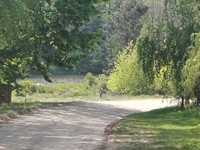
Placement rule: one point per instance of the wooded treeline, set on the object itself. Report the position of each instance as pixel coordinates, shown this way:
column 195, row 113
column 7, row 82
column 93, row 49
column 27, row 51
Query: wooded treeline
column 167, row 50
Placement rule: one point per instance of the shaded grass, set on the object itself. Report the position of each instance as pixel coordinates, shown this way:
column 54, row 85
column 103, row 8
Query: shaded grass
column 17, row 107
column 11, row 111
column 164, row 129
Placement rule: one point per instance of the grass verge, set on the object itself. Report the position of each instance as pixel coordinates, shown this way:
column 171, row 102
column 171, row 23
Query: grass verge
column 164, row 129
column 11, row 111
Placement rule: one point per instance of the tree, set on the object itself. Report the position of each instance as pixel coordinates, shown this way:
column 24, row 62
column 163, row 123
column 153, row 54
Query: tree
column 36, row 34
column 123, row 25
column 13, row 32
column 165, row 39
column 118, row 24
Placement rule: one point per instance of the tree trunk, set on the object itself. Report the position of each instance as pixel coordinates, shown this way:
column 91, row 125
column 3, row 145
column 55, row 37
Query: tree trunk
column 5, row 94
column 182, row 102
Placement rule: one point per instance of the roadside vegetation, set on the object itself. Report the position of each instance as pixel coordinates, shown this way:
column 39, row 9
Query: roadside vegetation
column 89, row 86
column 12, row 111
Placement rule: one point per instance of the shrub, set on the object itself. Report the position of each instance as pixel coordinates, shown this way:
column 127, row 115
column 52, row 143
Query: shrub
column 127, row 77
column 90, row 80
column 25, row 88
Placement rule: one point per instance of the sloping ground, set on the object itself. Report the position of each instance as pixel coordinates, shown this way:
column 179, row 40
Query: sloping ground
column 69, row 126
column 163, row 129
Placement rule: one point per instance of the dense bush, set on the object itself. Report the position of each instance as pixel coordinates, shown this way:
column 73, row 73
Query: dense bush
column 127, row 76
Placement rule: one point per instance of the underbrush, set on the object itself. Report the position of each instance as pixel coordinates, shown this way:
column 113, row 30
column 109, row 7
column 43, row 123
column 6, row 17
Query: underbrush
column 89, row 87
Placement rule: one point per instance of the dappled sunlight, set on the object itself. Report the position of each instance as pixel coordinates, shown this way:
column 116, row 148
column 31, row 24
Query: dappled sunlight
column 163, row 129
column 76, row 125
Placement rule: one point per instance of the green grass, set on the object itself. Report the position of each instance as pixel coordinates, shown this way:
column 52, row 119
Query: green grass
column 17, row 107
column 36, row 94
column 13, row 110
column 165, row 129
column 55, row 91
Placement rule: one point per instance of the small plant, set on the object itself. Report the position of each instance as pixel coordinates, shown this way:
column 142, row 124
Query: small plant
column 26, row 88
column 90, row 80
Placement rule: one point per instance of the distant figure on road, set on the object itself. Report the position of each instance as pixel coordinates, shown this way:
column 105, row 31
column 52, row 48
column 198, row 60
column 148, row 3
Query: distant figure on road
column 102, row 90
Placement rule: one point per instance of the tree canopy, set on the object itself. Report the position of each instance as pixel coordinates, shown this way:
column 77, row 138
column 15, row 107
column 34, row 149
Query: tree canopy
column 165, row 40
column 91, row 35
column 35, row 34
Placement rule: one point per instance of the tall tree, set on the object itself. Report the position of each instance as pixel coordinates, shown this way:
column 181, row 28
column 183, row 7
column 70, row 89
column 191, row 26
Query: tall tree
column 35, row 34
column 118, row 23
column 164, row 40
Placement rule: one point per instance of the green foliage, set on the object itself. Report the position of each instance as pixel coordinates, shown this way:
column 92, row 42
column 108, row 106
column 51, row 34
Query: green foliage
column 90, row 80
column 36, row 90
column 70, row 25
column 127, row 76
column 162, row 83
column 26, row 88
column 165, row 39
column 191, row 71
column 89, row 87
column 96, row 82
column 118, row 23
column 36, row 34
column 14, row 29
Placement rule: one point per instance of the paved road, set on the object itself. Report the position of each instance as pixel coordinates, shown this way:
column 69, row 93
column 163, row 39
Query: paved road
column 71, row 126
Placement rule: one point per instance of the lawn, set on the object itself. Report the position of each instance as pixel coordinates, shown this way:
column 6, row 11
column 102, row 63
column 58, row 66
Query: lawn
column 164, row 129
